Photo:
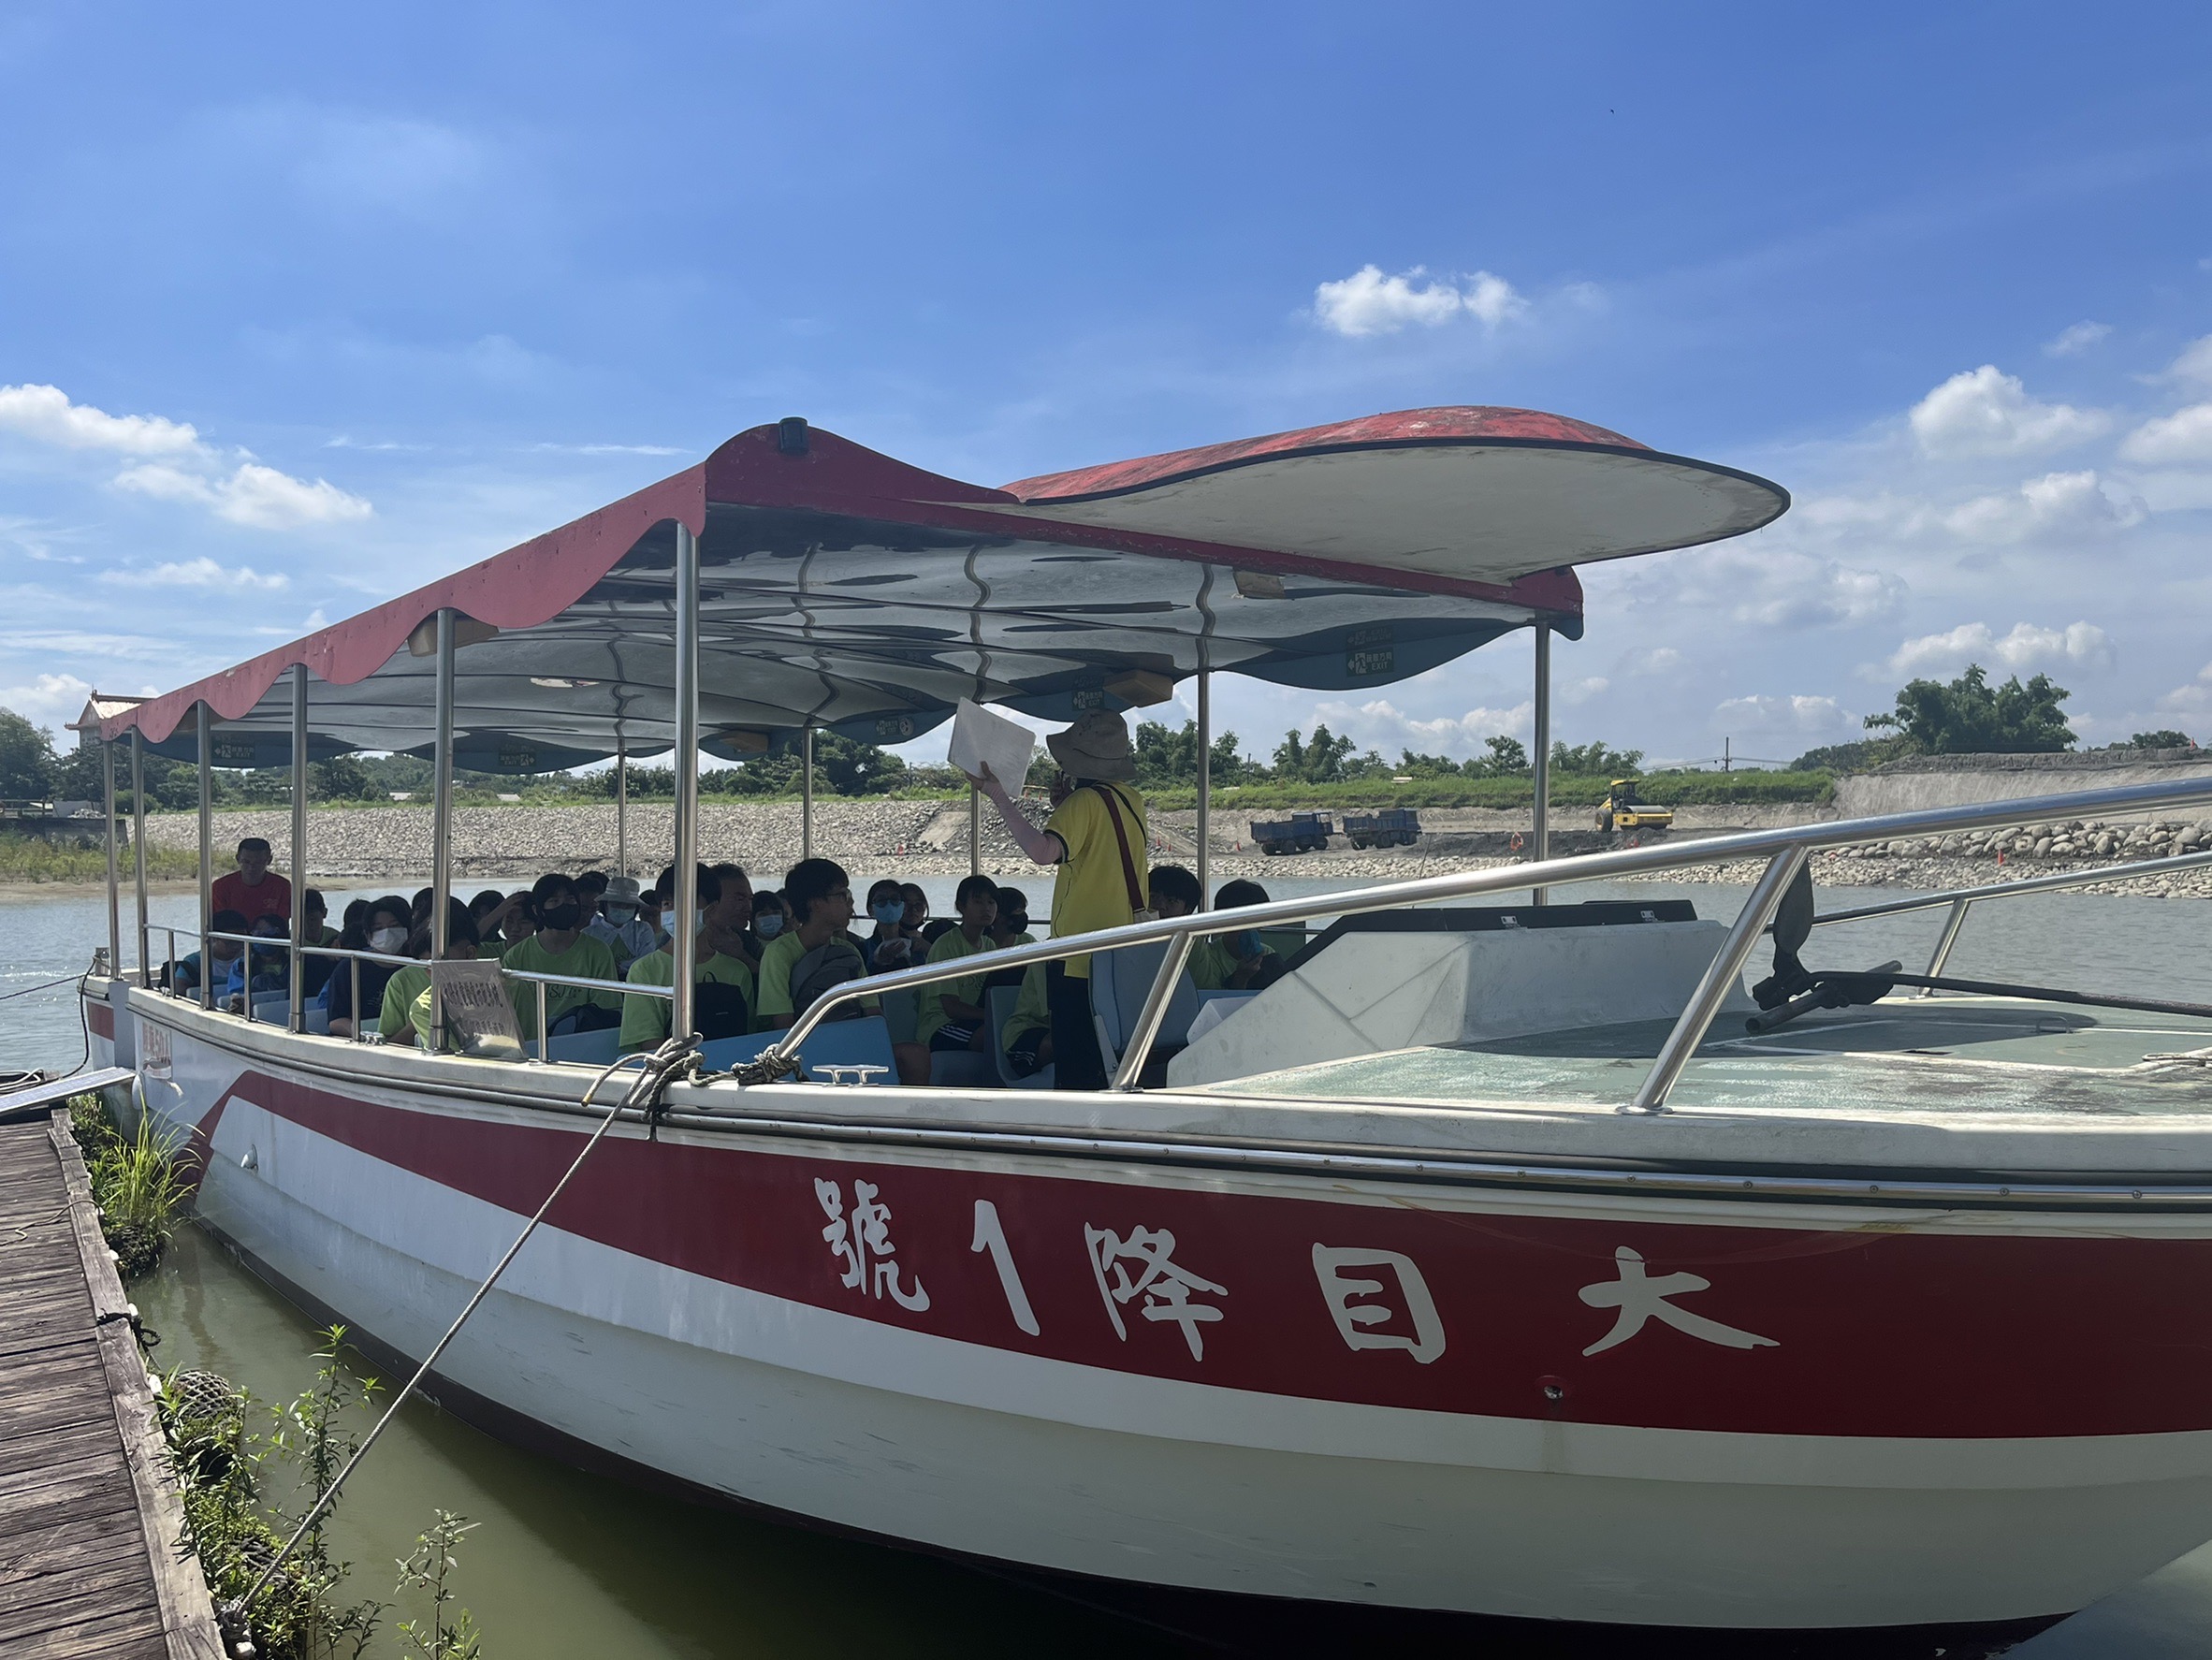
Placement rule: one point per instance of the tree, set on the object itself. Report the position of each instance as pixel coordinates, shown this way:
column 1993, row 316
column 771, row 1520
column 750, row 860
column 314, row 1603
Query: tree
column 1592, row 760
column 1506, row 758
column 1165, row 756
column 339, row 779
column 1426, row 767
column 1969, row 717
column 26, row 759
column 855, row 768
column 2165, row 739
column 1317, row 761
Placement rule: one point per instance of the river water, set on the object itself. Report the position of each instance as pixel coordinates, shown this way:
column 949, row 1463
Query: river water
column 566, row 1564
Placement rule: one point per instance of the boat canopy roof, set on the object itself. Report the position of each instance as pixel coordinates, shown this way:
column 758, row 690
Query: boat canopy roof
column 848, row 592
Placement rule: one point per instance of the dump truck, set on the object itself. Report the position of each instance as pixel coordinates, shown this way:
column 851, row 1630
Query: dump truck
column 1300, row 833
column 1397, row 826
column 1623, row 810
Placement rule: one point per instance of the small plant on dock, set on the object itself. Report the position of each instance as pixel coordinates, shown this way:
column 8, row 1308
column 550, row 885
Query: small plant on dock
column 236, row 1482
column 431, row 1568
column 136, row 1182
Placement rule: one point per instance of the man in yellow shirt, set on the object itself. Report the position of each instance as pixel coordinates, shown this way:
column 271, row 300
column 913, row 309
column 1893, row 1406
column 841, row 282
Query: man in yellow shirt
column 1097, row 837
column 951, row 1015
column 723, row 986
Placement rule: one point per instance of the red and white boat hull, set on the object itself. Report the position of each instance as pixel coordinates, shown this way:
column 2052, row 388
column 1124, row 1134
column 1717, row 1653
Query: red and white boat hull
column 1598, row 1405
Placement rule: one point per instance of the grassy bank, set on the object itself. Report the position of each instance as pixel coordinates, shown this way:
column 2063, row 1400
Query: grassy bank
column 33, row 858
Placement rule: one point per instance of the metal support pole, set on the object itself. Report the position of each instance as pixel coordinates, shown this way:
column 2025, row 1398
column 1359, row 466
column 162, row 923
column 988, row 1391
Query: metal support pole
column 806, row 794
column 1139, row 1048
column 138, row 856
column 207, row 852
column 1720, row 979
column 442, row 818
column 1949, row 937
column 975, row 831
column 114, row 880
column 621, row 809
column 683, row 944
column 1540, row 841
column 296, row 1006
column 1205, row 780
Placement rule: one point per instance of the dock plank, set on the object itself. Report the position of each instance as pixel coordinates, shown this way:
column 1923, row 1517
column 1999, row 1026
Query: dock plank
column 91, row 1563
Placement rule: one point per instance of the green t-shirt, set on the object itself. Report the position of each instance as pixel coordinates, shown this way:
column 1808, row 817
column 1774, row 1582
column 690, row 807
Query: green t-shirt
column 1029, row 1010
column 1212, row 964
column 589, row 958
column 930, row 1017
column 399, row 991
column 645, row 1020
column 780, row 956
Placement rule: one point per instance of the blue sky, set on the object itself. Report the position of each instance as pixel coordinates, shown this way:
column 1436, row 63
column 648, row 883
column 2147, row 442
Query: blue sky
column 298, row 310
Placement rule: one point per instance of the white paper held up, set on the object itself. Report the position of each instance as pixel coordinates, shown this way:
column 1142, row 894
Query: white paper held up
column 981, row 739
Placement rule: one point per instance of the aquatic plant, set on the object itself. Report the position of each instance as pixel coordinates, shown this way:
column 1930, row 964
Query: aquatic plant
column 431, row 1568
column 136, row 1182
column 33, row 858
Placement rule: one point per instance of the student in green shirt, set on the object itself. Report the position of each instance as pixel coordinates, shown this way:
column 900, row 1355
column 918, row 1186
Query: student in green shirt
column 560, row 947
column 1027, row 1035
column 820, row 894
column 460, row 946
column 952, row 1017
column 1237, row 961
column 723, row 997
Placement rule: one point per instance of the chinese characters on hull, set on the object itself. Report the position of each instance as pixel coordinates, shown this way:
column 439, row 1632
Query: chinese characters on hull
column 1359, row 1305
column 1640, row 1298
column 864, row 1242
column 1165, row 1286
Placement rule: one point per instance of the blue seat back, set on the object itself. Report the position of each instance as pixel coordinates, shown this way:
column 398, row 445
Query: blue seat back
column 841, row 1042
column 596, row 1049
column 902, row 1009
column 1134, row 968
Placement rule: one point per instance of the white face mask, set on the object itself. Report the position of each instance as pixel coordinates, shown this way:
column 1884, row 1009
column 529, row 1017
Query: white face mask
column 387, row 941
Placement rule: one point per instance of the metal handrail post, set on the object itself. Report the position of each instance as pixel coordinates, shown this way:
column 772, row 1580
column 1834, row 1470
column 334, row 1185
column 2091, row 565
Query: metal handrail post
column 357, row 1003
column 138, row 847
column 114, row 876
column 1137, row 1050
column 1952, row 924
column 1540, row 762
column 1206, row 778
column 442, row 811
column 683, row 944
column 975, row 831
column 206, row 730
column 1721, row 977
column 171, row 989
column 807, row 793
column 621, row 807
column 296, row 1001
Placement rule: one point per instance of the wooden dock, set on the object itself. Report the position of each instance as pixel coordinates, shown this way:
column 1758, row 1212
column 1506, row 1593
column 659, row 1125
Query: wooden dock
column 91, row 1560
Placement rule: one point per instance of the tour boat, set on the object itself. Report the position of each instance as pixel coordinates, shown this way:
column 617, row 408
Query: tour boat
column 1486, row 1264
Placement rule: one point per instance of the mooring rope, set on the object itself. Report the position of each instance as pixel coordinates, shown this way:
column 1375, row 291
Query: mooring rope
column 660, row 1069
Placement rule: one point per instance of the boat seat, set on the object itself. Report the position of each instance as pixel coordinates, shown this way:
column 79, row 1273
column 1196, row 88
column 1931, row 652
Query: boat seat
column 952, row 1070
column 901, row 1010
column 1118, row 998
column 999, row 1003
column 841, row 1042
column 595, row 1049
column 318, row 1022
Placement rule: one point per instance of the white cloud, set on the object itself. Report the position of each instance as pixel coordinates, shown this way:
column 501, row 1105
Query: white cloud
column 1369, row 303
column 44, row 414
column 1581, row 692
column 1985, row 413
column 201, row 573
column 2192, row 699
column 1380, row 725
column 2057, row 501
column 2180, row 439
column 1797, row 718
column 2077, row 645
column 1772, row 589
column 2194, row 364
column 2079, row 338
column 1659, row 660
column 252, row 494
column 51, row 701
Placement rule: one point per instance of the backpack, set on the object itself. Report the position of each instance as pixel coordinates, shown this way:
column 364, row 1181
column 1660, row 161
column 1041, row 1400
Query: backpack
column 822, row 969
column 719, row 1011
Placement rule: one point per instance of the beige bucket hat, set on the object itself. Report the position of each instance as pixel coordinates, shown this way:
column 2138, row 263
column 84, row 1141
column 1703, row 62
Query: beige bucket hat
column 1096, row 746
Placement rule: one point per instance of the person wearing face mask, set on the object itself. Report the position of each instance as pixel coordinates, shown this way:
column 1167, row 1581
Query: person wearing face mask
column 620, row 925
column 723, row 988
column 1238, row 961
column 561, row 947
column 890, row 946
column 384, row 931
column 771, row 919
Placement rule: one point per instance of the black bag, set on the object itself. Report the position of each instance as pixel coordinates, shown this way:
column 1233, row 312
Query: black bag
column 822, row 969
column 719, row 1011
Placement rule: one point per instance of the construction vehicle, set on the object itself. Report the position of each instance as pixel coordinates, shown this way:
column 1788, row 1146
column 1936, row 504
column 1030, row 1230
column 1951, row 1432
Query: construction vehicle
column 1623, row 810
column 1396, row 827
column 1300, row 833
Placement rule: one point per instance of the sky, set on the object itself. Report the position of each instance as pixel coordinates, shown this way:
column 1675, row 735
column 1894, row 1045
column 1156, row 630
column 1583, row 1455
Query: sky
column 301, row 308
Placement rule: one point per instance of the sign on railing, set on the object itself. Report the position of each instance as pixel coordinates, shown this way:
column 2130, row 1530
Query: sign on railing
column 478, row 1018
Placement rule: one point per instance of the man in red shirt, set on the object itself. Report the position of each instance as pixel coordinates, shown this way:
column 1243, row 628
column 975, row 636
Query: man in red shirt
column 253, row 890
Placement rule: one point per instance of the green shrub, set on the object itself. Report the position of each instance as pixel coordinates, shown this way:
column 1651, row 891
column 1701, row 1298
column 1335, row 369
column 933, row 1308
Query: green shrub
column 136, row 1182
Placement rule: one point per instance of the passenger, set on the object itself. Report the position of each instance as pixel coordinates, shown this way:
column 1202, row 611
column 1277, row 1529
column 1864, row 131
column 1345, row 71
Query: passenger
column 917, row 912
column 319, row 931
column 888, row 946
column 222, row 955
column 771, row 916
column 261, row 970
column 619, row 925
column 952, row 1018
column 420, row 911
column 253, row 890
column 1027, row 1035
column 561, row 947
column 461, row 946
column 1096, row 835
column 813, row 956
column 722, row 985
column 937, row 928
column 353, row 929
column 518, row 918
column 729, row 917
column 487, row 903
column 1174, row 891
column 1240, row 961
column 590, row 886
column 1011, row 929
column 387, row 935
column 395, row 1017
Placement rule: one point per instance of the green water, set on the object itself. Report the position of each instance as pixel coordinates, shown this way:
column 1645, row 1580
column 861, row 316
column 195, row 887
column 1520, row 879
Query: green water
column 566, row 1564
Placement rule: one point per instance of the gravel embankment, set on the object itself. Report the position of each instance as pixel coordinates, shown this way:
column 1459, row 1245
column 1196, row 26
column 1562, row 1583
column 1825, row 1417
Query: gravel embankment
column 930, row 839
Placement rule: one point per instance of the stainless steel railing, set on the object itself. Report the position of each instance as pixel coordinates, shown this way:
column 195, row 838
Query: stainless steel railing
column 1785, row 849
